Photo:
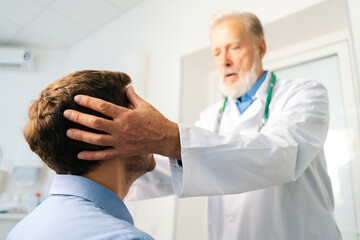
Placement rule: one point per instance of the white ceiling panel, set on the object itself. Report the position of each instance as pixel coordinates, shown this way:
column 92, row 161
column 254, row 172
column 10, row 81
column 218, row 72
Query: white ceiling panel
column 43, row 2
column 19, row 11
column 124, row 4
column 89, row 13
column 55, row 23
column 56, row 28
column 30, row 39
column 8, row 30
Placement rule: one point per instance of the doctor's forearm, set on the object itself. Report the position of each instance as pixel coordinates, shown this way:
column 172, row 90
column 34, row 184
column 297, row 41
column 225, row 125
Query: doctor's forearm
column 169, row 144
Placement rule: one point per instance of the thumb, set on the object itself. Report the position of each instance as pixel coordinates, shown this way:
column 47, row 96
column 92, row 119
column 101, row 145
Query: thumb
column 134, row 99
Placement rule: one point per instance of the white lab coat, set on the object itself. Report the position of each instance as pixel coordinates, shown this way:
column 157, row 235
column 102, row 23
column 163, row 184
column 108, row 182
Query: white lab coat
column 268, row 185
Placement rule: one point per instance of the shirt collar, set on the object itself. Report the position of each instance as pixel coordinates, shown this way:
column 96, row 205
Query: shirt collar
column 92, row 191
column 252, row 91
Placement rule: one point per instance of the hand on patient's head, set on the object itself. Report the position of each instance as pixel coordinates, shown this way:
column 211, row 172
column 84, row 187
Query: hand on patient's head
column 46, row 128
column 139, row 130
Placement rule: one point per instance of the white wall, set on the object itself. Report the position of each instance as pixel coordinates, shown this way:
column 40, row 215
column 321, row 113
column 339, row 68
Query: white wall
column 324, row 18
column 354, row 21
column 17, row 90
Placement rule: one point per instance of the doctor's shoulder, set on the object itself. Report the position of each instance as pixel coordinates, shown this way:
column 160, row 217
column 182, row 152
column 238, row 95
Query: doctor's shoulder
column 299, row 95
column 306, row 88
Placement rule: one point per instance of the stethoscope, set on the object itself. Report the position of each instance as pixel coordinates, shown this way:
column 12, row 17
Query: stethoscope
column 266, row 113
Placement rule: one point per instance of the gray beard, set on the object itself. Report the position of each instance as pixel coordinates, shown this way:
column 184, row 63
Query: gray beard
column 243, row 84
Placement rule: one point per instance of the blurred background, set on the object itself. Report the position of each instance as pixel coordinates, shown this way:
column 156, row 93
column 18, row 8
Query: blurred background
column 164, row 46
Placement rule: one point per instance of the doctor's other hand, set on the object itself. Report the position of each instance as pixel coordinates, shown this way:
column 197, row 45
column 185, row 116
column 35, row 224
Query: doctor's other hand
column 139, row 130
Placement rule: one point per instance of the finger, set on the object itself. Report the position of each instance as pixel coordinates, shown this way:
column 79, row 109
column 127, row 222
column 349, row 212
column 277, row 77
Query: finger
column 106, row 154
column 134, row 99
column 99, row 105
column 89, row 137
column 131, row 106
column 88, row 120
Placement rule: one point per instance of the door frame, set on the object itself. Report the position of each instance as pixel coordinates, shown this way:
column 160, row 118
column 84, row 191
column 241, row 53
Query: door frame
column 333, row 44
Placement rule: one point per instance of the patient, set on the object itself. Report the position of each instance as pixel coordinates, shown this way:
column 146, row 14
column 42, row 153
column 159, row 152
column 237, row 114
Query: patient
column 86, row 196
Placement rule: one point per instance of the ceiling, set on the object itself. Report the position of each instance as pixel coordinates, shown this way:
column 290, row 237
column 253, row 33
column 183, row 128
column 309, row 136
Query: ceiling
column 55, row 23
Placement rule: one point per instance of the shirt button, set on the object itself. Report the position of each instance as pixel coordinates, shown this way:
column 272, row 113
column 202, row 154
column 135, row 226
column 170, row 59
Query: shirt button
column 230, row 219
column 253, row 97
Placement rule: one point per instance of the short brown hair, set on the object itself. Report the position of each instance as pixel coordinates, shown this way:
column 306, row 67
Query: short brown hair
column 46, row 129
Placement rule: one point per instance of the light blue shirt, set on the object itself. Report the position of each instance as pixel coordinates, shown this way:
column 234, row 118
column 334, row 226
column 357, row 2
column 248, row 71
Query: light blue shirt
column 78, row 208
column 249, row 97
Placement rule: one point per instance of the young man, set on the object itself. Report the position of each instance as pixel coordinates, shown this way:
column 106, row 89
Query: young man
column 86, row 199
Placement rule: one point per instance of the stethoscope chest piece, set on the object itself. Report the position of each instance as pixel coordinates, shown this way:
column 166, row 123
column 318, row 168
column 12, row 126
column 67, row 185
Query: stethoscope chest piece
column 262, row 124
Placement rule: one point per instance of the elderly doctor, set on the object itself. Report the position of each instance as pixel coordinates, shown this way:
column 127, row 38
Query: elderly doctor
column 258, row 154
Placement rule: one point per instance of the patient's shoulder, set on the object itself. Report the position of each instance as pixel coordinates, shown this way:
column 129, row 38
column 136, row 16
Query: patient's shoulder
column 69, row 217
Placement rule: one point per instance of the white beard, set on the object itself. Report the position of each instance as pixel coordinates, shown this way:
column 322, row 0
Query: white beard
column 243, row 84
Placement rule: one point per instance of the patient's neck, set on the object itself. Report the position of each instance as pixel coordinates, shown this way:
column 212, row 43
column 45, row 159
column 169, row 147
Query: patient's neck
column 112, row 175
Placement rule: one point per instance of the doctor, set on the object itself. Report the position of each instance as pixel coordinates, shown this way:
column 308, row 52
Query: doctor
column 258, row 154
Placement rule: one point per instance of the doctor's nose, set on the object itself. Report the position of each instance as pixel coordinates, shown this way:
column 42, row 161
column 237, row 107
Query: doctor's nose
column 226, row 60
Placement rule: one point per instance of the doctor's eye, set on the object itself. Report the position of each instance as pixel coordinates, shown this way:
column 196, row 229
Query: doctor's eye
column 216, row 53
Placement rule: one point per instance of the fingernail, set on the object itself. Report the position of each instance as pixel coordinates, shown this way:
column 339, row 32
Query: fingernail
column 67, row 114
column 70, row 133
column 81, row 156
column 77, row 99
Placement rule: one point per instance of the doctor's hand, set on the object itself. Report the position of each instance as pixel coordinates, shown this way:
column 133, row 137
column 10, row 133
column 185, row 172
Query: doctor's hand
column 139, row 130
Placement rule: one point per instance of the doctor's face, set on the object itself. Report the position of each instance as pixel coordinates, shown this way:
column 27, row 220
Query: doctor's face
column 237, row 56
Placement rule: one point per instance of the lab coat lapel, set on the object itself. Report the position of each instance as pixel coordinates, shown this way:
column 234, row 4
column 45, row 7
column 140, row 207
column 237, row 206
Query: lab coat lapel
column 230, row 117
column 252, row 116
column 248, row 121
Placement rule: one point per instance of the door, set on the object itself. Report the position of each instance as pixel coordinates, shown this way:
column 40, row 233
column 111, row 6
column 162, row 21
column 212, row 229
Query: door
column 340, row 150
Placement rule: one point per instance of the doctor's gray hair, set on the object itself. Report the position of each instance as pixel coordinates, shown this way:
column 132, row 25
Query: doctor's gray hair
column 251, row 21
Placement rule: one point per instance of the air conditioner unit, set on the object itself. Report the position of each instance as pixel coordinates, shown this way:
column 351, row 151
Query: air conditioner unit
column 16, row 59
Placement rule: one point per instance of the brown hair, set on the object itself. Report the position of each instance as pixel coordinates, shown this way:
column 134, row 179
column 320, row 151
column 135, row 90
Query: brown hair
column 46, row 129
